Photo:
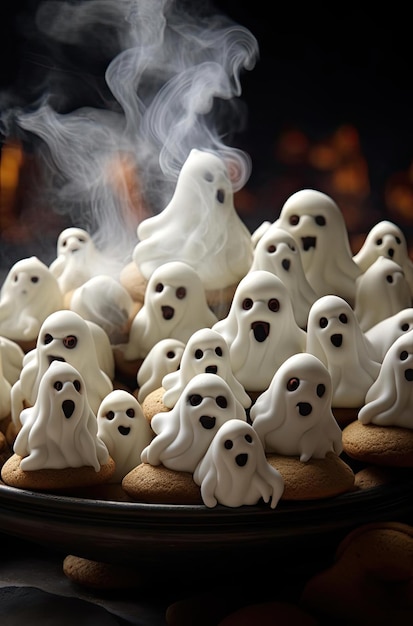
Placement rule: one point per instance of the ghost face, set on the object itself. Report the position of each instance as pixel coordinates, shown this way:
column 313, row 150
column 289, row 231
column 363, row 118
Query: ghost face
column 73, row 241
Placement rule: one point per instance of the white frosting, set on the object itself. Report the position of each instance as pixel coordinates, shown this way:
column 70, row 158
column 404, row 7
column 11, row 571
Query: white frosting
column 175, row 306
column 293, row 416
column 386, row 239
column 335, row 337
column 60, row 430
column 12, row 357
column 28, row 295
column 206, row 351
column 64, row 336
column 184, row 433
column 235, row 471
column 77, row 259
column 103, row 300
column 389, row 401
column 163, row 358
column 318, row 226
column 385, row 332
column 104, row 351
column 124, row 429
column 199, row 226
column 277, row 252
column 260, row 329
column 381, row 291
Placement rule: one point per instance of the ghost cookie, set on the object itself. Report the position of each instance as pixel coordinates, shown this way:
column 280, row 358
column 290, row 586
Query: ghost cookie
column 58, row 446
column 163, row 358
column 234, row 471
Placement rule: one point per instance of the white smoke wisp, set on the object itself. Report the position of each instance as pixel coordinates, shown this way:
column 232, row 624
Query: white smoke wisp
column 175, row 82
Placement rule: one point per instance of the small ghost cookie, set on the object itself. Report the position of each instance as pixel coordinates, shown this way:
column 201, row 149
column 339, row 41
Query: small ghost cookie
column 370, row 581
column 58, row 446
column 160, row 485
column 162, row 359
column 235, row 472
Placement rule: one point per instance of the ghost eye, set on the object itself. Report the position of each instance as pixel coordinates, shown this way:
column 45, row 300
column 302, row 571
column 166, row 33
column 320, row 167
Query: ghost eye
column 218, row 351
column 195, row 399
column 130, row 412
column 34, row 279
column 64, row 243
column 228, row 444
column 81, row 239
column 199, row 354
column 247, row 304
column 292, row 248
column 58, row 385
column 248, row 438
column 405, row 327
column 221, row 196
column 274, row 305
column 70, row 342
column 323, row 322
column 180, row 293
column 170, row 354
column 15, row 278
column 77, row 385
column 47, row 339
column 110, row 415
column 159, row 287
column 293, row 384
column 294, row 220
column 271, row 248
column 209, row 177
column 320, row 220
column 389, row 278
column 403, row 355
column 343, row 318
column 222, row 402
column 398, row 240
column 379, row 241
column 321, row 389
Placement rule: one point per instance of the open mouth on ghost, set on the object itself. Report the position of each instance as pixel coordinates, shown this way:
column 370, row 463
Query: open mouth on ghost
column 168, row 312
column 241, row 459
column 211, row 369
column 124, row 430
column 68, row 407
column 308, row 242
column 336, row 340
column 52, row 358
column 261, row 331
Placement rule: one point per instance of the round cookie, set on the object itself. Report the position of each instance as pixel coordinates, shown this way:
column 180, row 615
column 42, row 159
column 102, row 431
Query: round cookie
column 153, row 404
column 5, row 449
column 99, row 575
column 370, row 581
column 375, row 476
column 317, row 478
column 54, row 479
column 380, row 445
column 160, row 485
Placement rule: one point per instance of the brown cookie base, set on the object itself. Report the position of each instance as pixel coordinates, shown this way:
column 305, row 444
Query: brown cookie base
column 315, row 479
column 153, row 404
column 379, row 445
column 99, row 575
column 54, row 479
column 160, row 485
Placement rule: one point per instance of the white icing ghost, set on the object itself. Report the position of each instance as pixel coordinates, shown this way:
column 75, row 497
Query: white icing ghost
column 184, row 433
column 199, row 226
column 235, row 471
column 293, row 417
column 381, row 291
column 28, row 295
column 124, row 429
column 60, row 429
column 317, row 224
column 63, row 336
column 175, row 306
column 103, row 300
column 386, row 239
column 206, row 351
column 104, row 351
column 335, row 337
column 163, row 358
column 385, row 332
column 260, row 329
column 277, row 252
column 389, row 401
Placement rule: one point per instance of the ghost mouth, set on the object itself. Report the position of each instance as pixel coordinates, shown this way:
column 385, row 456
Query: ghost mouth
column 124, row 430
column 68, row 407
column 286, row 264
column 168, row 312
column 52, row 358
column 408, row 374
column 308, row 242
column 261, row 331
column 207, row 421
column 211, row 369
column 336, row 340
column 241, row 459
column 304, row 408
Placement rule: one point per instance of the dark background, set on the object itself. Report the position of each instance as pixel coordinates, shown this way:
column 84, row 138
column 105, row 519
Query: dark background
column 319, row 68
